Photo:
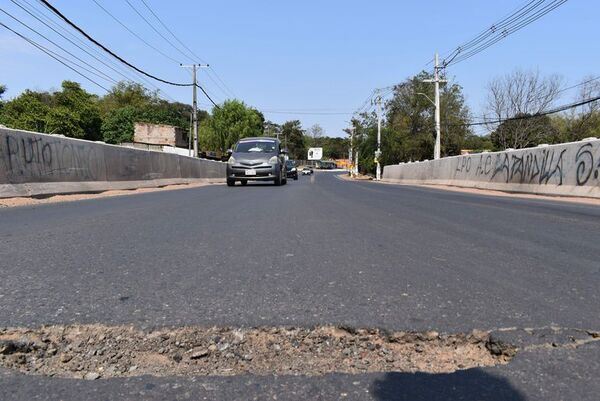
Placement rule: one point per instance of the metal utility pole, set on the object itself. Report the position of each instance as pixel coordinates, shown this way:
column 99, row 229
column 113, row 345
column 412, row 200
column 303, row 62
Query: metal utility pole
column 377, row 101
column 194, row 68
column 436, row 80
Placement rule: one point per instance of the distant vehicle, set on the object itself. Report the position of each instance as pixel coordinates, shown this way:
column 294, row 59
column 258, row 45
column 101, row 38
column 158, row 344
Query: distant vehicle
column 257, row 159
column 292, row 171
column 307, row 171
column 326, row 165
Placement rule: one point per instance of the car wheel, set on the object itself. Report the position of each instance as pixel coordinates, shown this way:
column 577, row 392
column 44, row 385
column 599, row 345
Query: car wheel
column 296, row 177
column 244, row 182
column 278, row 180
column 230, row 182
column 284, row 182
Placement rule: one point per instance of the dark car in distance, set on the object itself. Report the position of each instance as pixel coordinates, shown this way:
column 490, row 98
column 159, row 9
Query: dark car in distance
column 257, row 159
column 292, row 170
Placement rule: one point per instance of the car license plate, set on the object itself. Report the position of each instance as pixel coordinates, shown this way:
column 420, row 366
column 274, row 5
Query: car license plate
column 250, row 172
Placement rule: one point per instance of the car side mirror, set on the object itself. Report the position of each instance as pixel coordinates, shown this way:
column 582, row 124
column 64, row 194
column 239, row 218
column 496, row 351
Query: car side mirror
column 229, row 152
column 284, row 151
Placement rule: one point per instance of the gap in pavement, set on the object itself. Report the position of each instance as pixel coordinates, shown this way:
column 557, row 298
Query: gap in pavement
column 97, row 351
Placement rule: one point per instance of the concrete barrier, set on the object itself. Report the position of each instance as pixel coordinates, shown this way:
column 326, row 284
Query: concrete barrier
column 40, row 164
column 570, row 169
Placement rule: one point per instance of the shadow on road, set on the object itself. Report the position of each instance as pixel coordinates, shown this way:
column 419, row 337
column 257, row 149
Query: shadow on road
column 466, row 385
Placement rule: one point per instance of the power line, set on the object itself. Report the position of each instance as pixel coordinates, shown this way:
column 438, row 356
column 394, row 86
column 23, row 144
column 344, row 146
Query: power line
column 171, row 32
column 529, row 116
column 109, row 63
column 578, row 85
column 222, row 86
column 100, row 74
column 91, row 39
column 208, row 96
column 53, row 55
column 494, row 27
column 506, row 30
column 157, row 31
column 64, row 37
column 133, row 33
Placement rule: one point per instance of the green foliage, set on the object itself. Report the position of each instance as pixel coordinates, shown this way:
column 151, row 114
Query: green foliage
column 75, row 113
column 28, row 111
column 408, row 130
column 127, row 94
column 118, row 125
column 71, row 112
column 230, row 122
column 478, row 143
column 129, row 102
column 292, row 136
column 333, row 148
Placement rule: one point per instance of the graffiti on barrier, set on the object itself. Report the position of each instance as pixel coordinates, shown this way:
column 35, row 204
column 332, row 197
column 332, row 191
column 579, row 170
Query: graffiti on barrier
column 33, row 156
column 535, row 166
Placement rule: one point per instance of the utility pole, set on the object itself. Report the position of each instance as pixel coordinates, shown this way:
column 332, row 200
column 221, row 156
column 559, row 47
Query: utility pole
column 377, row 101
column 194, row 68
column 190, row 135
column 350, row 158
column 436, row 80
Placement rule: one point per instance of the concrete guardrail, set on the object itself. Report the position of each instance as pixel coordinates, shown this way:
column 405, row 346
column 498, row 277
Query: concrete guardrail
column 39, row 164
column 570, row 169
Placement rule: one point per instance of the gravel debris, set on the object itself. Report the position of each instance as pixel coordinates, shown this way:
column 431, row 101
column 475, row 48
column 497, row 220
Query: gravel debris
column 94, row 352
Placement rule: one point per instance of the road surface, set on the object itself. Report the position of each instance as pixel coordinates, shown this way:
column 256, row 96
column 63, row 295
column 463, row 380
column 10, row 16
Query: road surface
column 318, row 251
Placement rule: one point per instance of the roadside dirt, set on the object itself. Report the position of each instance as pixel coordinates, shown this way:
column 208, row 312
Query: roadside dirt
column 94, row 351
column 40, row 200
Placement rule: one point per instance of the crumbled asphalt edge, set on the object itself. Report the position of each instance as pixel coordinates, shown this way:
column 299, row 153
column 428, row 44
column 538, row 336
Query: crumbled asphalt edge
column 95, row 351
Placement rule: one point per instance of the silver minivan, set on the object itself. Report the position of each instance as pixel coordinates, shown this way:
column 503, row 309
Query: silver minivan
column 257, row 159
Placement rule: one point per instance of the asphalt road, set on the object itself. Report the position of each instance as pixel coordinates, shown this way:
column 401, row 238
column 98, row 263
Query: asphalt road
column 317, row 251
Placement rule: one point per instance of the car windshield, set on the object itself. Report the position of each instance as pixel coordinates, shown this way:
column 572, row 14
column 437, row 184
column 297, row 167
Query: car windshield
column 258, row 146
column 290, row 163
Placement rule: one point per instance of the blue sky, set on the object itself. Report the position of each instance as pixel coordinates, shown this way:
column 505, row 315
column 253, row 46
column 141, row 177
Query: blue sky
column 313, row 56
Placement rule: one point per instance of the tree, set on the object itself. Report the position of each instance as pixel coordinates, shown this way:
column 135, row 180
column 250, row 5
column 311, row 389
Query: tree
column 28, row 111
column 537, row 129
column 292, row 136
column 71, row 112
column 521, row 93
column 582, row 122
column 477, row 143
column 230, row 122
column 410, row 125
column 2, row 90
column 127, row 94
column 75, row 113
column 315, row 133
column 271, row 129
column 118, row 126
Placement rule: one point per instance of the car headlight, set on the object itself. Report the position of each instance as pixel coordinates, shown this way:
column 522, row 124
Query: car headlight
column 293, row 170
column 231, row 160
column 274, row 160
